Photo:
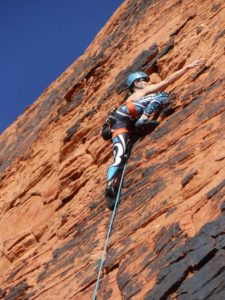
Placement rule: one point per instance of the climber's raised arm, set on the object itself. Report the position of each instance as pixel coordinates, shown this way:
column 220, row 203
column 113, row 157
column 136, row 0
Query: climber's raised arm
column 141, row 91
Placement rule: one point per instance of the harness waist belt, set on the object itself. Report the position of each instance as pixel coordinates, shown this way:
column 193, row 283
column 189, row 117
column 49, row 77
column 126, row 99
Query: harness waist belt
column 119, row 131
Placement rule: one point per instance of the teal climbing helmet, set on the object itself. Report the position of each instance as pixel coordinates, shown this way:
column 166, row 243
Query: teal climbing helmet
column 134, row 76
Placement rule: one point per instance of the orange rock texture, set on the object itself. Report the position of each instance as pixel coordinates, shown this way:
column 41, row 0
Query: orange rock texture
column 168, row 239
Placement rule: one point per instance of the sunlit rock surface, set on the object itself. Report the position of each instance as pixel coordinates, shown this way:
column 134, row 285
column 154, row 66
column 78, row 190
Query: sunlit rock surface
column 168, row 240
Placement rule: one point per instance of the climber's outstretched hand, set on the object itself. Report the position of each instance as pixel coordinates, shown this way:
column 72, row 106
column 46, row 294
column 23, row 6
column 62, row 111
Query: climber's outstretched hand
column 197, row 62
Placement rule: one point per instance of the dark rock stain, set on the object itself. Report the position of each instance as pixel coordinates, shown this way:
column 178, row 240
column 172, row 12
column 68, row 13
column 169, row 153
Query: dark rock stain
column 188, row 178
column 202, row 256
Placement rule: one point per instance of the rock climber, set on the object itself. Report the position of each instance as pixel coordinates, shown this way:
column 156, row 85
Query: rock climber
column 144, row 101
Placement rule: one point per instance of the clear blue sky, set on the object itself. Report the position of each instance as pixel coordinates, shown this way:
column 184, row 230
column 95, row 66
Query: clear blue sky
column 39, row 40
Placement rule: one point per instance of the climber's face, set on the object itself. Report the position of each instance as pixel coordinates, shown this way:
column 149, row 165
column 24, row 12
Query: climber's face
column 141, row 83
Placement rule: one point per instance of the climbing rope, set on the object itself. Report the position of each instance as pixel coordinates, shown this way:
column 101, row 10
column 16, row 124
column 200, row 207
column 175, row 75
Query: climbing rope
column 108, row 233
column 132, row 142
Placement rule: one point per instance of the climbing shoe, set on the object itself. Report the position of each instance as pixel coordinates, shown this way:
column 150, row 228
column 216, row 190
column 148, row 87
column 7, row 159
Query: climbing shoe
column 110, row 191
column 110, row 196
column 145, row 126
column 110, row 203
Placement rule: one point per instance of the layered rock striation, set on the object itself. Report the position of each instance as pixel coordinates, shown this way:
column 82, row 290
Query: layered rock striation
column 168, row 239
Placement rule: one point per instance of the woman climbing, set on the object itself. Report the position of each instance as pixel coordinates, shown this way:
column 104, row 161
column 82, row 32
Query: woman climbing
column 144, row 101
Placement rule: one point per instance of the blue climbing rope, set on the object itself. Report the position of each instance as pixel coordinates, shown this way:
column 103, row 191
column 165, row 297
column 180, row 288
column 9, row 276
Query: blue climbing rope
column 135, row 138
column 108, row 233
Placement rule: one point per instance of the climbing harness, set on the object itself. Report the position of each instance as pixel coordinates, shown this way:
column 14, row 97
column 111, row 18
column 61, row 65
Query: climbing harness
column 119, row 131
column 110, row 226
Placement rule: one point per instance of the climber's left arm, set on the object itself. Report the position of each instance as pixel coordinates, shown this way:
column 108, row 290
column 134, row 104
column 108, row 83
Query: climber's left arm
column 152, row 88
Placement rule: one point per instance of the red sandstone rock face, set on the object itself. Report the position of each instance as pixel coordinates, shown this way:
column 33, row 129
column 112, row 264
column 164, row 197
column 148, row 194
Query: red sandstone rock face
column 168, row 240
